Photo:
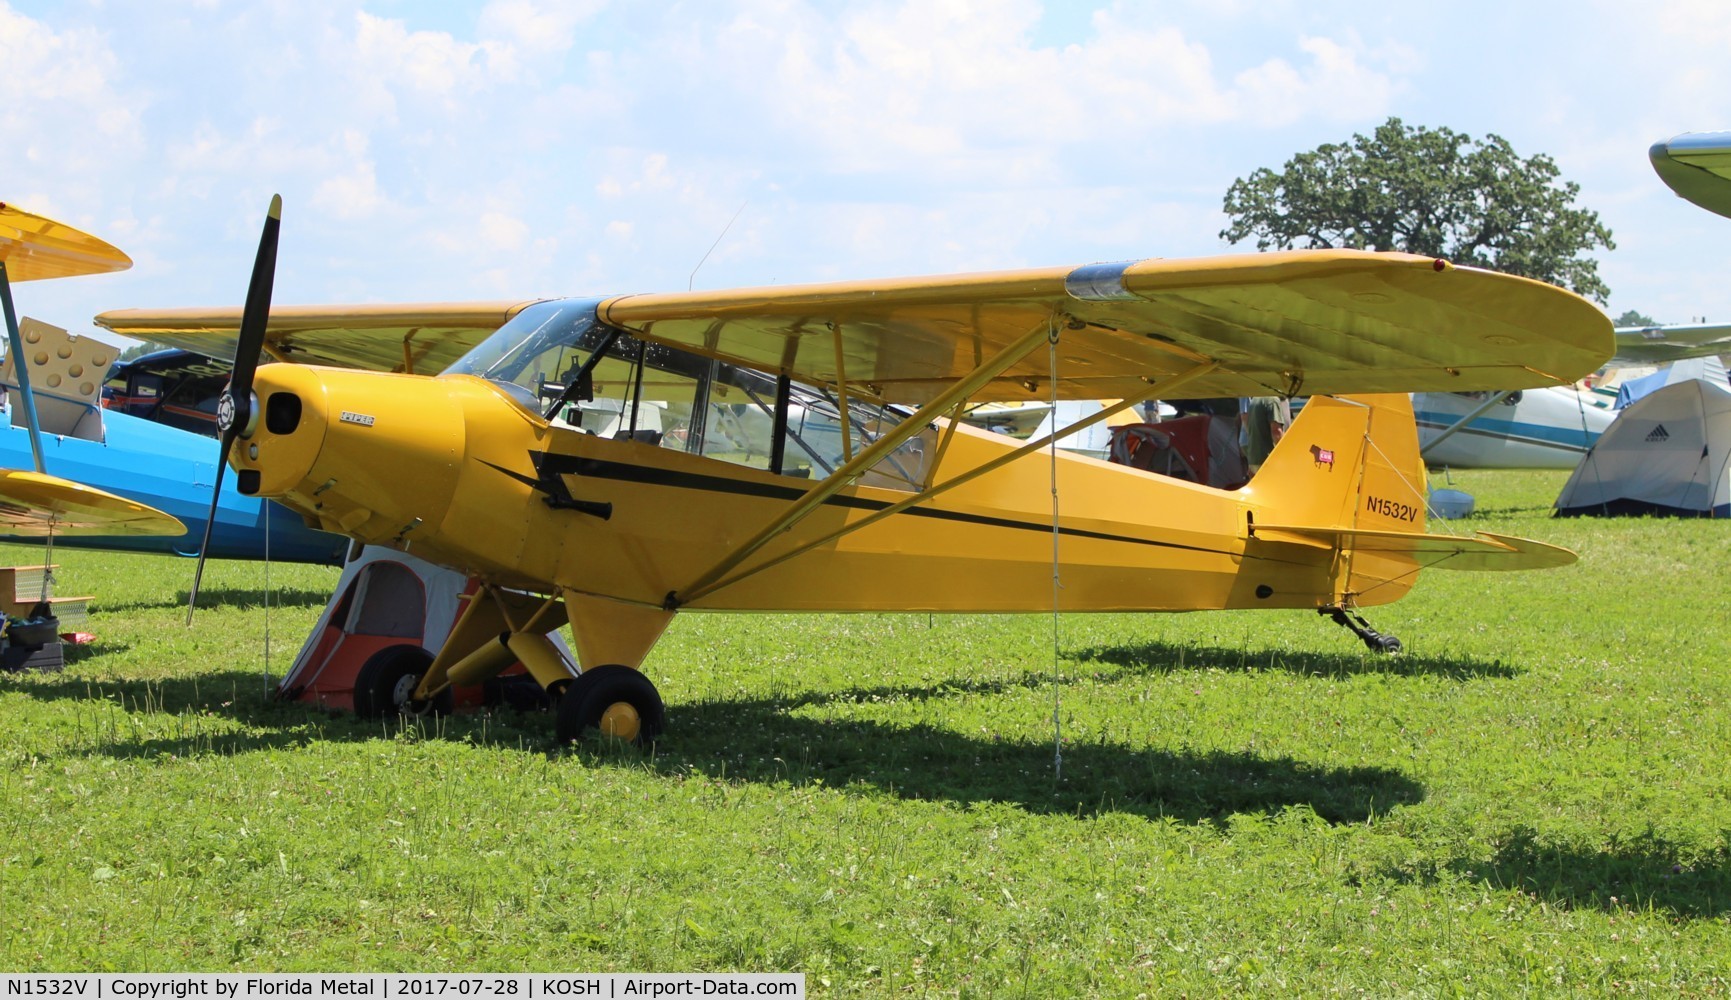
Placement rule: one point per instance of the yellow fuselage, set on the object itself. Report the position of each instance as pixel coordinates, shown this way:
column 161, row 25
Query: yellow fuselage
column 457, row 473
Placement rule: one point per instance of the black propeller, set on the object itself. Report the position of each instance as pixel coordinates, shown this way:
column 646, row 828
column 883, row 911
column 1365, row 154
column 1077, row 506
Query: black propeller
column 235, row 413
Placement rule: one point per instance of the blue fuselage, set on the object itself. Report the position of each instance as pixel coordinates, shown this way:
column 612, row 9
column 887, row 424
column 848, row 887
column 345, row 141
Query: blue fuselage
column 171, row 470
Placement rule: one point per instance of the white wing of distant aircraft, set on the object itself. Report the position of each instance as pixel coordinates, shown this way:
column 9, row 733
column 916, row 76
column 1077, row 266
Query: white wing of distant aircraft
column 1697, row 165
column 1659, row 345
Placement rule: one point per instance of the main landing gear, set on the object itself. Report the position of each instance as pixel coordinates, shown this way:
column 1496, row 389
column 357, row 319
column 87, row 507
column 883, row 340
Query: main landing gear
column 616, row 701
column 1354, row 622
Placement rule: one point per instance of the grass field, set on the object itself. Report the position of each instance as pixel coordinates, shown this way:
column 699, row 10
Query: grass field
column 1533, row 799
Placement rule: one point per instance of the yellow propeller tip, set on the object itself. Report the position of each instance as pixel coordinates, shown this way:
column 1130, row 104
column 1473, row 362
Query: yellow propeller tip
column 276, row 207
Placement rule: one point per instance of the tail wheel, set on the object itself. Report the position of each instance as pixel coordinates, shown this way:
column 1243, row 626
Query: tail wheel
column 614, row 701
column 385, row 684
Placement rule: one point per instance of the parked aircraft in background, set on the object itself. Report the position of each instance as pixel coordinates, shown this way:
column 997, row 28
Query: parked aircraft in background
column 172, row 470
column 1549, row 428
column 1662, row 344
column 492, row 468
column 1697, row 165
column 55, row 423
column 35, row 503
column 173, row 387
column 1546, row 428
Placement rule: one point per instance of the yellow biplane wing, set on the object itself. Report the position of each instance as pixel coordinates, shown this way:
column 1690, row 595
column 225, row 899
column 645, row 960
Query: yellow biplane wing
column 34, row 247
column 34, row 504
column 421, row 338
column 1288, row 323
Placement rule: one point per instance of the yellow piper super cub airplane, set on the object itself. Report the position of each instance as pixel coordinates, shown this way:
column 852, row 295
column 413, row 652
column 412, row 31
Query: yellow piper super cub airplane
column 592, row 461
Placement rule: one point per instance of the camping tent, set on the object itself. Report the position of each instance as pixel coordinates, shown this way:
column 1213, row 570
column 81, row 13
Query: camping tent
column 1709, row 368
column 389, row 613
column 1667, row 453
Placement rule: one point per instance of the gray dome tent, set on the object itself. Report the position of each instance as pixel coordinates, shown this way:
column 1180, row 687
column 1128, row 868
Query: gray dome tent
column 1667, row 453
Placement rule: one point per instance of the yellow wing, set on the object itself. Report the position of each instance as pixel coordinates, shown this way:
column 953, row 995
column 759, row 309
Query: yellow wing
column 34, row 247
column 35, row 504
column 419, row 338
column 1296, row 322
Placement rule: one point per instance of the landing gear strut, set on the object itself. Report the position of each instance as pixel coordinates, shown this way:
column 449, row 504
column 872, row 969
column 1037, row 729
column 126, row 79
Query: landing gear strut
column 1354, row 622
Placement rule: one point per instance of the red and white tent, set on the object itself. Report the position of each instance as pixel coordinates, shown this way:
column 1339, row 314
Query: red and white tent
column 389, row 607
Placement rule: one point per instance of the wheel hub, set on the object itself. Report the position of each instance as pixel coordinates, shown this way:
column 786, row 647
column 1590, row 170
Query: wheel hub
column 621, row 721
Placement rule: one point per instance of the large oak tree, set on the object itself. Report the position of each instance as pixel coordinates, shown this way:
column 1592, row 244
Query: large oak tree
column 1435, row 192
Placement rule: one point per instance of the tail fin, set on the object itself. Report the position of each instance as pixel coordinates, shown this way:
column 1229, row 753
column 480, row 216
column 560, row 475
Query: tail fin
column 1347, row 470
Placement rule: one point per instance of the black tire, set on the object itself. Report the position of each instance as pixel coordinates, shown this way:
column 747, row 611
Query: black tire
column 385, row 682
column 587, row 699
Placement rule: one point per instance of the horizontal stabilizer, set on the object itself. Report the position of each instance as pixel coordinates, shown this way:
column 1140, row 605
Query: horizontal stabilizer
column 1483, row 551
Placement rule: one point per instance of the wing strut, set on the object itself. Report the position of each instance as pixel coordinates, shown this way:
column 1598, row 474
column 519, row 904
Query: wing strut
column 21, row 366
column 1478, row 411
column 1163, row 388
column 844, row 476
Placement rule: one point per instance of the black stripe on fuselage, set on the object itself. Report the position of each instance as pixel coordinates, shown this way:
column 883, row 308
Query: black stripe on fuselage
column 594, row 468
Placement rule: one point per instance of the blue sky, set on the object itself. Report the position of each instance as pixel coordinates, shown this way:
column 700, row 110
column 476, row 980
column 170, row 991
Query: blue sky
column 523, row 148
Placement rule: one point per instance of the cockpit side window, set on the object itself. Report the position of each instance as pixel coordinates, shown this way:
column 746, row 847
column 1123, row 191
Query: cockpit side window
column 659, row 395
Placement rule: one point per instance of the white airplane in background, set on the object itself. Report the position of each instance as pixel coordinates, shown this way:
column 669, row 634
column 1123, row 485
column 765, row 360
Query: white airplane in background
column 1547, row 428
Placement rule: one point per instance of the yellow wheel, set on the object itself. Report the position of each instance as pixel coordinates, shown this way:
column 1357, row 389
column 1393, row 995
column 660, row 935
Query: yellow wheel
column 612, row 700
column 621, row 722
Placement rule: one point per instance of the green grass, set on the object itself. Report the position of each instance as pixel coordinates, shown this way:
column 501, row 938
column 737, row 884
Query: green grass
column 1532, row 800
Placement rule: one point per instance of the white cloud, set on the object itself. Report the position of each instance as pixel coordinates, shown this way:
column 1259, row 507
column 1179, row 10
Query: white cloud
column 535, row 27
column 65, row 116
column 961, row 88
column 648, row 174
column 498, row 231
column 354, row 195
column 1335, row 85
column 426, row 63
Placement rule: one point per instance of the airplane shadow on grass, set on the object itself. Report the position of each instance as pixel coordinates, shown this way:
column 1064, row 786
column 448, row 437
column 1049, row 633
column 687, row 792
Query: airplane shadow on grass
column 1151, row 657
column 232, row 597
column 1646, row 871
column 769, row 740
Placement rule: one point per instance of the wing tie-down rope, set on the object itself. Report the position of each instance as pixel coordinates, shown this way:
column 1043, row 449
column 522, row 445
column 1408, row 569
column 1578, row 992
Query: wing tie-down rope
column 1057, row 583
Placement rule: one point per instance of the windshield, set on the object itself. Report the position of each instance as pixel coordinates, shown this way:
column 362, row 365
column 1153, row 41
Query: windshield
column 538, row 345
